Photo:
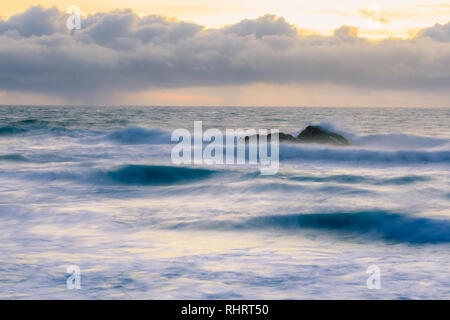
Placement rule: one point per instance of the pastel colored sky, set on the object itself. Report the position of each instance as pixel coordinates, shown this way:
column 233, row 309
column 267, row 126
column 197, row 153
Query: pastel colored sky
column 211, row 52
column 398, row 17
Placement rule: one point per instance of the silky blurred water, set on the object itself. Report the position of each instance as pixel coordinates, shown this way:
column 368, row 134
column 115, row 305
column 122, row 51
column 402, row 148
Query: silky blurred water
column 95, row 187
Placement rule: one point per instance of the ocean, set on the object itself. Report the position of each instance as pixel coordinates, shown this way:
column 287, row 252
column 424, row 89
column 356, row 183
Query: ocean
column 95, row 187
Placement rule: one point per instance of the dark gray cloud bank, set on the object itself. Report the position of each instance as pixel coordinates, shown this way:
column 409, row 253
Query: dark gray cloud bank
column 120, row 51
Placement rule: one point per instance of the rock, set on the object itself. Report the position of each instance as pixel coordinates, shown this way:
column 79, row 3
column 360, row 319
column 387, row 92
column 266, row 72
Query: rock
column 284, row 137
column 315, row 134
column 312, row 134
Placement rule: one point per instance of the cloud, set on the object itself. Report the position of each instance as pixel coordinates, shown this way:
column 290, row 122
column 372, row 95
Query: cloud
column 438, row 32
column 268, row 25
column 35, row 21
column 122, row 52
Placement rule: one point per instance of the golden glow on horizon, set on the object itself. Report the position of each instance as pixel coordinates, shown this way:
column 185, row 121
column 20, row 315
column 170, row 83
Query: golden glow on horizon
column 257, row 94
column 375, row 18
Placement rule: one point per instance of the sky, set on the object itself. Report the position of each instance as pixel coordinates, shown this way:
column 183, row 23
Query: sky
column 210, row 52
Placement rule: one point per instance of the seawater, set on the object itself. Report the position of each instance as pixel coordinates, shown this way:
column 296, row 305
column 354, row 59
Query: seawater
column 95, row 187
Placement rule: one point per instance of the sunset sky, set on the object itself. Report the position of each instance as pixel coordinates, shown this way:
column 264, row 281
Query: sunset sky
column 211, row 52
column 399, row 17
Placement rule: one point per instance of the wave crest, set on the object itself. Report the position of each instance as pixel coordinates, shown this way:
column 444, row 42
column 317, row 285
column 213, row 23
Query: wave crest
column 397, row 141
column 292, row 152
column 155, row 175
column 10, row 130
column 391, row 227
column 13, row 158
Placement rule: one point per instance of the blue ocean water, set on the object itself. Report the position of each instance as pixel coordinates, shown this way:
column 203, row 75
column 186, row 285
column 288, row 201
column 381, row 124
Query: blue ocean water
column 95, row 187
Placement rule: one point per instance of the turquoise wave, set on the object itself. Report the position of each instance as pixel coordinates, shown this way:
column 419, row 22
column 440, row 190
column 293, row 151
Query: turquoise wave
column 155, row 175
column 390, row 227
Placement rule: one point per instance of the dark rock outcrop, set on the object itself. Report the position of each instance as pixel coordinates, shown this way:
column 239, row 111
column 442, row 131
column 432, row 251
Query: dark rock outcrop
column 285, row 137
column 311, row 134
column 315, row 134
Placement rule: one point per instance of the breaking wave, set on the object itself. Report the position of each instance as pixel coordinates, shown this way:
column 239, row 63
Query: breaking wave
column 13, row 158
column 391, row 227
column 132, row 174
column 10, row 130
column 155, row 175
column 397, row 141
column 387, row 148
column 297, row 152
